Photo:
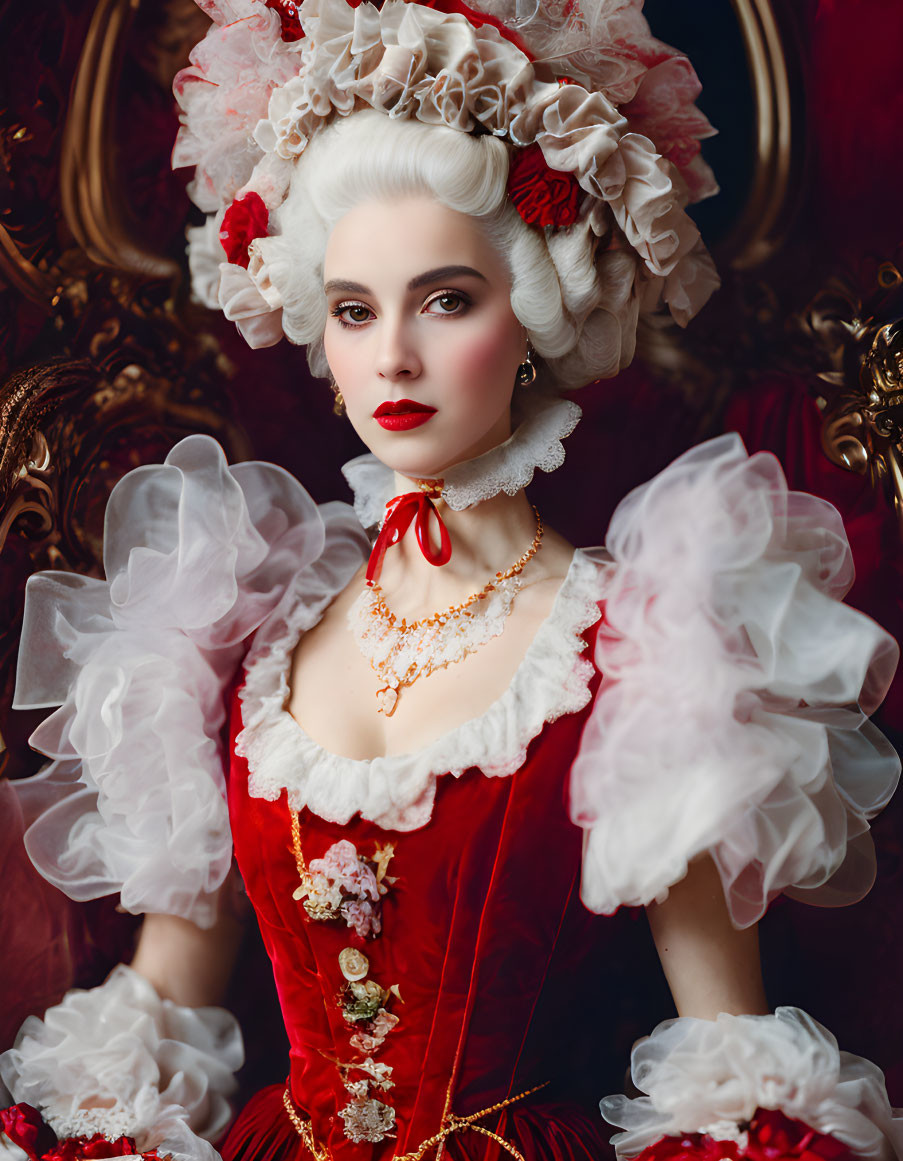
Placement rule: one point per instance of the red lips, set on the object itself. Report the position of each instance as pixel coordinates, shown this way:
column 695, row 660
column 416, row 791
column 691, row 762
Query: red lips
column 402, row 414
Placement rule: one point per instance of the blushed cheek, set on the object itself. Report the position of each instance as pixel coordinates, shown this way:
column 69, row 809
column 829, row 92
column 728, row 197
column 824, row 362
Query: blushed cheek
column 484, row 361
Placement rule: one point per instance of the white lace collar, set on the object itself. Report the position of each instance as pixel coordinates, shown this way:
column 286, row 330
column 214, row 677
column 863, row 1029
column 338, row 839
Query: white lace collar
column 543, row 421
column 397, row 792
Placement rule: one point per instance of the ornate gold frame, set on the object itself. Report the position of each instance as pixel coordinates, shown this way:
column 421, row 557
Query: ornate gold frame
column 761, row 227
column 92, row 205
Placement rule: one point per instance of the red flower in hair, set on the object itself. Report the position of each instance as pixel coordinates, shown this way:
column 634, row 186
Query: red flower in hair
column 289, row 18
column 22, row 1124
column 542, row 196
column 246, row 219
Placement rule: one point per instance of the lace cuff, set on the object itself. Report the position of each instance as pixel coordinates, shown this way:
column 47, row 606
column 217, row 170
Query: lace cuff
column 119, row 1061
column 712, row 1076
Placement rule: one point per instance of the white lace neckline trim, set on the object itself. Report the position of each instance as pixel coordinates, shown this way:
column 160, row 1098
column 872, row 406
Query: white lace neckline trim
column 396, row 792
column 543, row 421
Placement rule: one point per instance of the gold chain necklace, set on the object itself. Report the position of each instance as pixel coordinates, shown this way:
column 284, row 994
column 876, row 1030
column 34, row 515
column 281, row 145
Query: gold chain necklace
column 401, row 652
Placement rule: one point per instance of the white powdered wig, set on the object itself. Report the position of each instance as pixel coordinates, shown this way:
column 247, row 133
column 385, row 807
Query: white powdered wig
column 258, row 96
column 555, row 284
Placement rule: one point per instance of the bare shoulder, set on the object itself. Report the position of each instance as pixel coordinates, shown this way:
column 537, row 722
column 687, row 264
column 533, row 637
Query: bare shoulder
column 551, row 564
column 348, row 595
column 330, row 629
column 542, row 582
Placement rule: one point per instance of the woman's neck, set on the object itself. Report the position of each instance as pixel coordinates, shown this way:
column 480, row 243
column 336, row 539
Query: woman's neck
column 485, row 539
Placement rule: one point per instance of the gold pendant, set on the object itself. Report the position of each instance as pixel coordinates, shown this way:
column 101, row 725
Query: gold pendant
column 386, row 700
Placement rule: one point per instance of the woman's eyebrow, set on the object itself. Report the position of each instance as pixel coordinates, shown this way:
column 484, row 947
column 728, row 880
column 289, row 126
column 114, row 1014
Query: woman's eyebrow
column 346, row 287
column 442, row 273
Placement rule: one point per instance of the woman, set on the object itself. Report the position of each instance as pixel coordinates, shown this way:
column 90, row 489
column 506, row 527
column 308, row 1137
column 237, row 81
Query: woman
column 421, row 720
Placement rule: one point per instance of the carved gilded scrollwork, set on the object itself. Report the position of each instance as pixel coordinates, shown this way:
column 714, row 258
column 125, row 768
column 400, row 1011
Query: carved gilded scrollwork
column 862, row 393
column 21, row 274
column 69, row 429
column 122, row 365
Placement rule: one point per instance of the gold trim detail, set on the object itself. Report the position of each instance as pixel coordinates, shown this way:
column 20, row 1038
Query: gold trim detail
column 300, row 863
column 450, row 1124
column 304, row 1130
column 860, row 337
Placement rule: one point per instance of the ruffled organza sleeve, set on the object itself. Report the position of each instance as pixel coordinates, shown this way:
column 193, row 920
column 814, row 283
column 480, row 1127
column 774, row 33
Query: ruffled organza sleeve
column 732, row 712
column 196, row 554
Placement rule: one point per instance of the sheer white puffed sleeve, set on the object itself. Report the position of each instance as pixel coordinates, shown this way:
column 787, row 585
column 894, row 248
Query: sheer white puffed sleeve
column 196, row 555
column 731, row 716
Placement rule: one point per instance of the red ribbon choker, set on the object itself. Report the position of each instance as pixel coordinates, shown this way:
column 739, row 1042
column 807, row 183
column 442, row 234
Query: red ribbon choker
column 400, row 511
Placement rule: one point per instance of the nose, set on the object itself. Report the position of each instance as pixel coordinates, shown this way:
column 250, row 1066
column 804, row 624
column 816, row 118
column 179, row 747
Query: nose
column 398, row 356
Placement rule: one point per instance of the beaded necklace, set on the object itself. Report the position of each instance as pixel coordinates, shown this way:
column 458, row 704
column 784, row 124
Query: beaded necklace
column 401, row 652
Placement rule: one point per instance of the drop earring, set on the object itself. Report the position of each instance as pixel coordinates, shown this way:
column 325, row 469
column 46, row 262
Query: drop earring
column 526, row 372
column 338, row 405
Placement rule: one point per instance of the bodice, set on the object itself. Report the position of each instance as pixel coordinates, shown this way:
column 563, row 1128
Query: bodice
column 482, row 940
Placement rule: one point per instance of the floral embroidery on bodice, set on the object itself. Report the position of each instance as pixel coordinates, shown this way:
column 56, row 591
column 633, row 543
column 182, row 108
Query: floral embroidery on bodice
column 495, row 868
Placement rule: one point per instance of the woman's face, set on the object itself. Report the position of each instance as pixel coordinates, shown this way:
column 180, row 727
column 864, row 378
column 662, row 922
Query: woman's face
column 420, row 336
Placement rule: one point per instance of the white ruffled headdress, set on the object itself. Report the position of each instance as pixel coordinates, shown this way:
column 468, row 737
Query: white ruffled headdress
column 610, row 108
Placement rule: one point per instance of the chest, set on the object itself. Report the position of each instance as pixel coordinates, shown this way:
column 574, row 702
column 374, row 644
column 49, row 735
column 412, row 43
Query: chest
column 334, row 685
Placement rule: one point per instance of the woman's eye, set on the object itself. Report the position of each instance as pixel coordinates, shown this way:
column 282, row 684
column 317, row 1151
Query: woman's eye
column 447, row 303
column 352, row 313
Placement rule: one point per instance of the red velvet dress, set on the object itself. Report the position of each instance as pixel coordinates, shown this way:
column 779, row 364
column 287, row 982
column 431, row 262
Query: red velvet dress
column 720, row 707
column 483, row 933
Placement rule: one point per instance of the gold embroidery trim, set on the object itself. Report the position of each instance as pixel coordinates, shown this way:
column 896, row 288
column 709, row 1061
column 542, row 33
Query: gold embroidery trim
column 304, row 1130
column 300, row 863
column 451, row 1124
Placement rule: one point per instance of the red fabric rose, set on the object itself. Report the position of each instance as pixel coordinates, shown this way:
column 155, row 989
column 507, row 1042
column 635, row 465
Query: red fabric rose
column 542, row 196
column 692, row 1147
column 776, row 1137
column 246, row 219
column 96, row 1147
column 772, row 1136
column 22, row 1124
column 289, row 18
